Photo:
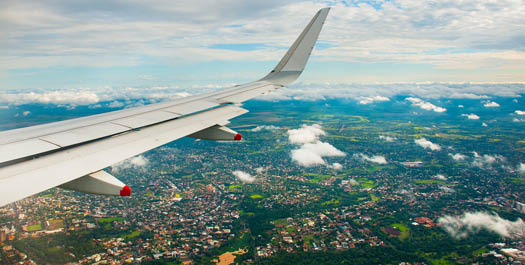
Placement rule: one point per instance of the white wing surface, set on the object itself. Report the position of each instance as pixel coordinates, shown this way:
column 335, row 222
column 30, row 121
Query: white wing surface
column 73, row 153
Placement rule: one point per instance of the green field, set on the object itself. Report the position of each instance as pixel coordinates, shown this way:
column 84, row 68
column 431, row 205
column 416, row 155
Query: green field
column 332, row 201
column 429, row 181
column 317, row 177
column 132, row 235
column 366, row 183
column 405, row 231
column 32, row 228
column 110, row 219
column 256, row 196
column 232, row 187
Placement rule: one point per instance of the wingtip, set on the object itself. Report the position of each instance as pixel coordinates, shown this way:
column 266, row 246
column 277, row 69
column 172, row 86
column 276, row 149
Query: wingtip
column 126, row 191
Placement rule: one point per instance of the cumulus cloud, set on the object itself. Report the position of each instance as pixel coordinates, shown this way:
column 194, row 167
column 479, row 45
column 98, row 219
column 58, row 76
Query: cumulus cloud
column 491, row 104
column 316, row 91
column 374, row 159
column 265, row 127
column 467, row 95
column 368, row 100
column 336, row 166
column 446, row 189
column 312, row 150
column 243, row 176
column 521, row 168
column 458, row 157
column 25, row 113
column 117, row 97
column 115, row 104
column 305, row 134
column 520, row 112
column 311, row 154
column 427, row 144
column 471, row 116
column 137, row 162
column 472, row 222
column 484, row 125
column 440, row 177
column 55, row 97
column 387, row 138
column 425, row 105
column 486, row 160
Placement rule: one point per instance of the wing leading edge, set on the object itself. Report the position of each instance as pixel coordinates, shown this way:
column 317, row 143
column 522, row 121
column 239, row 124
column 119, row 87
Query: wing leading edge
column 36, row 158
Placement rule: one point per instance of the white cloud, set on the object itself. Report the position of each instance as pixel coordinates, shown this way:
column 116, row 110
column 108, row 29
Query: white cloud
column 446, row 189
column 520, row 112
column 425, row 105
column 484, row 125
column 305, row 134
column 458, row 157
column 374, row 159
column 461, row 106
column 427, row 144
column 4, row 107
column 433, row 90
column 25, row 113
column 491, row 104
column 452, row 35
column 265, row 127
column 521, row 168
column 243, row 176
column 486, row 160
column 472, row 222
column 115, row 104
column 518, row 120
column 387, row 138
column 55, row 97
column 467, row 95
column 311, row 154
column 440, row 177
column 259, row 170
column 137, row 162
column 353, row 182
column 368, row 100
column 85, row 96
column 336, row 166
column 471, row 116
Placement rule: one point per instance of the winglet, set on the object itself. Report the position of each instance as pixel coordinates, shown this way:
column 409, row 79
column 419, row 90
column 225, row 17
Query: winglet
column 294, row 61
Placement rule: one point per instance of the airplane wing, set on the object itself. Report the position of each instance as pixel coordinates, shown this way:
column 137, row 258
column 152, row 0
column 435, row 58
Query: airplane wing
column 73, row 153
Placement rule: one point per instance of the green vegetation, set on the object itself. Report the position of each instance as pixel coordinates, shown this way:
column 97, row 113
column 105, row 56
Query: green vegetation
column 366, row 183
column 405, row 231
column 35, row 227
column 317, row 177
column 132, row 235
column 429, row 181
column 516, row 180
column 110, row 219
column 441, row 262
column 232, row 187
column 332, row 201
column 256, row 196
column 480, row 251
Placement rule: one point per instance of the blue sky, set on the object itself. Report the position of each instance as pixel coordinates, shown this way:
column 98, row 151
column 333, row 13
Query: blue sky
column 92, row 45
